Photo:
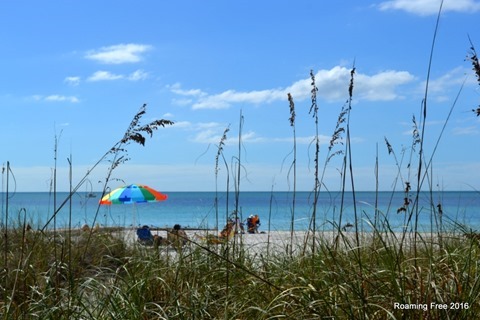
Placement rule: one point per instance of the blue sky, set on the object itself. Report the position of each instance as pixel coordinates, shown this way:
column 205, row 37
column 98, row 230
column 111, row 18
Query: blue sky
column 80, row 70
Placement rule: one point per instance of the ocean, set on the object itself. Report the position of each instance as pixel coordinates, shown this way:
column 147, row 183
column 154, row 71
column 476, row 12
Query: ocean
column 206, row 209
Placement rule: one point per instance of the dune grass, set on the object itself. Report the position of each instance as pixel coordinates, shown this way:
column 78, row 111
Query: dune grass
column 111, row 279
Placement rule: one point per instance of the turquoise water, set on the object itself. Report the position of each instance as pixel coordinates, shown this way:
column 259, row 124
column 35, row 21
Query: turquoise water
column 198, row 210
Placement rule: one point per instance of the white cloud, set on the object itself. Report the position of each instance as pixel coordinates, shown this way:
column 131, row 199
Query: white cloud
column 56, row 98
column 198, row 126
column 452, row 78
column 214, row 135
column 107, row 75
column 176, row 88
column 73, row 81
column 225, row 99
column 430, row 7
column 332, row 85
column 208, row 136
column 205, row 132
column 118, row 54
column 441, row 88
column 103, row 76
column 382, row 86
column 138, row 75
column 181, row 124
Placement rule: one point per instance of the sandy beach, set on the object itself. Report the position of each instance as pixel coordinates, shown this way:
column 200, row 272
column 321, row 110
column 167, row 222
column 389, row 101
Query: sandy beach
column 279, row 241
column 257, row 242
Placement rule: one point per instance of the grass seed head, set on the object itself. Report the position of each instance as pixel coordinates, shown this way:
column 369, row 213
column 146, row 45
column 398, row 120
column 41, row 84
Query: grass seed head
column 292, row 110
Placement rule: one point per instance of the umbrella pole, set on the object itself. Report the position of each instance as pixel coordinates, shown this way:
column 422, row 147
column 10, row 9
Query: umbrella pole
column 134, row 215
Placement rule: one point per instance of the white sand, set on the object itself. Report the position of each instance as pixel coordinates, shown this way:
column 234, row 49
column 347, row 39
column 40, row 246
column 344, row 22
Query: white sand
column 275, row 240
column 280, row 241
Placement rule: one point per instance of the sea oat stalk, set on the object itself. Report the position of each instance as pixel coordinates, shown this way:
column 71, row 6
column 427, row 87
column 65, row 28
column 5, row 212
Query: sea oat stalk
column 316, row 189
column 294, row 165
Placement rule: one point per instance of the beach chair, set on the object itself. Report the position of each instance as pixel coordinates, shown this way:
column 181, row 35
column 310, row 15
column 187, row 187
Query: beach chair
column 145, row 236
column 226, row 234
column 229, row 231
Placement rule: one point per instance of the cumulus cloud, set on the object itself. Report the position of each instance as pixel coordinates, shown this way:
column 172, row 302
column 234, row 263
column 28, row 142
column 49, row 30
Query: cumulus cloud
column 176, row 88
column 118, row 54
column 73, row 81
column 203, row 132
column 138, row 75
column 430, row 7
column 56, row 98
column 381, row 86
column 104, row 76
column 108, row 76
column 332, row 86
column 225, row 99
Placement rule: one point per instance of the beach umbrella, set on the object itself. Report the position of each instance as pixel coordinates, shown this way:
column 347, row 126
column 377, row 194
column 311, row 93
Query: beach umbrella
column 131, row 194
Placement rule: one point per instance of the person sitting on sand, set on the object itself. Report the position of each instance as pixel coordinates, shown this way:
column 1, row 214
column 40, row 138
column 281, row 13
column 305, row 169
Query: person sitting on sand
column 146, row 238
column 253, row 222
column 177, row 237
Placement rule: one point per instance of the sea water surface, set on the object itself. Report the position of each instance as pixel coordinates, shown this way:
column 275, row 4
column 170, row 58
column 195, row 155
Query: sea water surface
column 275, row 209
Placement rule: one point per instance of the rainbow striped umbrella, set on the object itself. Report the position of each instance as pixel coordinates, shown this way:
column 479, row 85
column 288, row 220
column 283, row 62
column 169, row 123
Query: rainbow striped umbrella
column 134, row 193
